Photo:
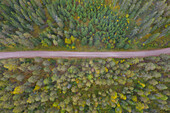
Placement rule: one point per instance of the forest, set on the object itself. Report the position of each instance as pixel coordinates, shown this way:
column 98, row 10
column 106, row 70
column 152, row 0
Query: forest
column 41, row 85
column 123, row 84
column 84, row 24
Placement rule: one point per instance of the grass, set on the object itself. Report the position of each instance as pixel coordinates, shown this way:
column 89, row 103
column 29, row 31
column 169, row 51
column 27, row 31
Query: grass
column 78, row 49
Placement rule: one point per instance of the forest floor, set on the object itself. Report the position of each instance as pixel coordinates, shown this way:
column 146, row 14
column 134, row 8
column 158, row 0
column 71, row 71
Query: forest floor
column 66, row 54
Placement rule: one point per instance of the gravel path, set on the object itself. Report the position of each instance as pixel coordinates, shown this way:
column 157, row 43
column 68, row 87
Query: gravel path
column 66, row 54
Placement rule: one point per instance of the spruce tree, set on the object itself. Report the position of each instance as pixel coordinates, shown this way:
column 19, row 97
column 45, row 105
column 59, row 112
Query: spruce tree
column 91, row 42
column 97, row 42
column 84, row 41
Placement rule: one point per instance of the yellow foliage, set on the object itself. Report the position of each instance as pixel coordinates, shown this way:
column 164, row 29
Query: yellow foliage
column 106, row 69
column 10, row 46
column 96, row 104
column 28, row 101
column 117, row 62
column 84, row 103
column 56, row 105
column 73, row 47
column 127, row 15
column 122, row 61
column 114, row 95
column 67, row 41
column 142, row 84
column 77, row 81
column 73, row 39
column 122, row 96
column 10, row 67
column 118, row 105
column 41, row 1
column 140, row 106
column 44, row 44
column 113, row 100
column 98, row 71
column 36, row 88
column 44, row 89
column 18, row 90
column 134, row 98
column 64, row 92
column 47, row 75
column 113, row 46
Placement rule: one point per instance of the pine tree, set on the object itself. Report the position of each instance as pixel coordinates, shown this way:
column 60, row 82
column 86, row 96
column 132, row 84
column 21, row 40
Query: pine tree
column 165, row 32
column 41, row 13
column 17, row 8
column 131, row 8
column 25, row 15
column 137, row 6
column 152, row 38
column 145, row 32
column 144, row 8
column 159, row 24
column 125, row 5
column 41, row 20
column 22, row 4
column 150, row 16
column 146, row 25
column 114, row 2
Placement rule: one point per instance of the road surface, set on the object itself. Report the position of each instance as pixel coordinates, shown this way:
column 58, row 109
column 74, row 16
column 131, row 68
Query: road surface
column 66, row 54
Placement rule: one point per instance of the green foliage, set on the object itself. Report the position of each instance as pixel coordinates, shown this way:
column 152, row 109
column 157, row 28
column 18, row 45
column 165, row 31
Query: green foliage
column 111, row 24
column 93, row 85
column 84, row 41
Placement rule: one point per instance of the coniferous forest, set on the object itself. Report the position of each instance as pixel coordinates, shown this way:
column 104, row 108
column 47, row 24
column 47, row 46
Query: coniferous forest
column 75, row 24
column 137, row 85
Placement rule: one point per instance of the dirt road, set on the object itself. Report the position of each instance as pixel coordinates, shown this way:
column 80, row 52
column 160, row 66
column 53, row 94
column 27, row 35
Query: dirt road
column 66, row 54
